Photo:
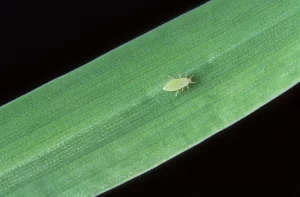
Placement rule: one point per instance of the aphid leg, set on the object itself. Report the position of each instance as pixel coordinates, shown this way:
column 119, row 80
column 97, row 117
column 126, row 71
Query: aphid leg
column 176, row 93
column 187, row 87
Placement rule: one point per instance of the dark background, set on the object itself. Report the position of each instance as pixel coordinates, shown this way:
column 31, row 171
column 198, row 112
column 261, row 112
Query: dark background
column 257, row 156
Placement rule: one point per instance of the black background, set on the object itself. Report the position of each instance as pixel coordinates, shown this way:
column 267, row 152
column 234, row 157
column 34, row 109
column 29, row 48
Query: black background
column 257, row 156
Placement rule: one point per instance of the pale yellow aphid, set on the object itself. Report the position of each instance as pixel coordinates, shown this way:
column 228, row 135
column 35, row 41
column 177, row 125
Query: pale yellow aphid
column 177, row 84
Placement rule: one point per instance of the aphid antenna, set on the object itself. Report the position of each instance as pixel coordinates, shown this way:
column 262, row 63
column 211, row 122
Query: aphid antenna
column 191, row 78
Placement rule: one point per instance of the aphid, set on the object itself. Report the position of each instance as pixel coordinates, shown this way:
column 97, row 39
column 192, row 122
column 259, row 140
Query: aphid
column 177, row 84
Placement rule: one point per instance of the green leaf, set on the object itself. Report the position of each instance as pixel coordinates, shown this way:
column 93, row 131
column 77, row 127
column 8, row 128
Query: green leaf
column 109, row 121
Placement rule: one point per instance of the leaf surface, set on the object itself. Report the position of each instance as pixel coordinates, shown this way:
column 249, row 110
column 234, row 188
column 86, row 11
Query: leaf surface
column 109, row 121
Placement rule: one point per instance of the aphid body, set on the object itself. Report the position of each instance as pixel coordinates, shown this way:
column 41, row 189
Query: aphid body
column 177, row 84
